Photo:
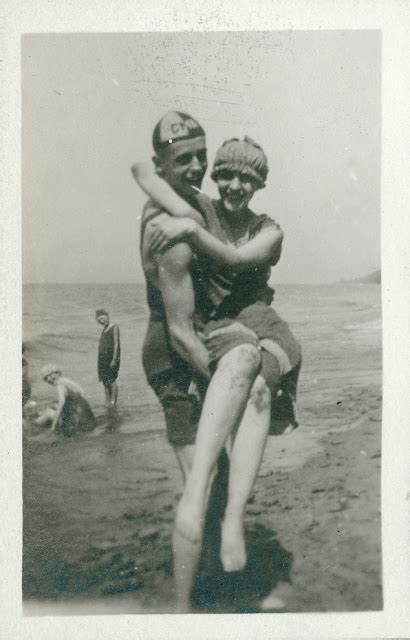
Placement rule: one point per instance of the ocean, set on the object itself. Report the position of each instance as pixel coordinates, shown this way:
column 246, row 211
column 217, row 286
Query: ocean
column 339, row 327
column 106, row 492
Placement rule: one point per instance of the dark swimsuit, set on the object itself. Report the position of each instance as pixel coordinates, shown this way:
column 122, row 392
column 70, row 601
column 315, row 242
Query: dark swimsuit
column 246, row 299
column 105, row 354
column 221, row 298
column 167, row 373
column 77, row 414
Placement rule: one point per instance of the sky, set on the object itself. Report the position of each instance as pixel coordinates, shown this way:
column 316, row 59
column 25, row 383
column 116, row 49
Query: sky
column 311, row 99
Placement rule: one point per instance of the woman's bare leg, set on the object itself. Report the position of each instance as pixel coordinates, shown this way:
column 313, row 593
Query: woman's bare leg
column 107, row 391
column 246, row 457
column 114, row 393
column 223, row 408
column 45, row 418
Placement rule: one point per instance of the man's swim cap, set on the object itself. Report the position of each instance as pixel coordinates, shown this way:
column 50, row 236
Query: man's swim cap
column 48, row 369
column 173, row 127
column 242, row 155
column 101, row 312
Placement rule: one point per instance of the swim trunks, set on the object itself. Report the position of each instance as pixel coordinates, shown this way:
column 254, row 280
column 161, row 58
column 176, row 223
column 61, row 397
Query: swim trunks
column 181, row 409
column 281, row 357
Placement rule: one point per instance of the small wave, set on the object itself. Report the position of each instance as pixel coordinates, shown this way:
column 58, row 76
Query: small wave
column 369, row 325
column 62, row 342
column 68, row 336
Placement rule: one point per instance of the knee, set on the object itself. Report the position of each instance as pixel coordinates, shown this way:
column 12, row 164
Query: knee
column 241, row 361
column 260, row 395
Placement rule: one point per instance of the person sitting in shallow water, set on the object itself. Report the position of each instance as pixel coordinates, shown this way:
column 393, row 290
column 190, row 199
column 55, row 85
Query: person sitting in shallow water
column 26, row 386
column 71, row 413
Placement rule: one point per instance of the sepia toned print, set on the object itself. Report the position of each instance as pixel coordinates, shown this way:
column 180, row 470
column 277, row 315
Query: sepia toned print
column 266, row 341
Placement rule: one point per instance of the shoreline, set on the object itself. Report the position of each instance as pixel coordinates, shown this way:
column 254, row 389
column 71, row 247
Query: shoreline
column 99, row 508
column 313, row 537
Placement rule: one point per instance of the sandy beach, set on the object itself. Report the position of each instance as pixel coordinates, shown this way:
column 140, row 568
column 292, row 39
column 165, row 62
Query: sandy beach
column 98, row 508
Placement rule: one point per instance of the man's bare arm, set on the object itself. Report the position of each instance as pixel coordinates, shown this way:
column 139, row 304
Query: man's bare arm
column 175, row 283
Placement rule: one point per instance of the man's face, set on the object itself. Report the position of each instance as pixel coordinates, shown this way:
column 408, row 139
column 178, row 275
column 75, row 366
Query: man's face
column 183, row 165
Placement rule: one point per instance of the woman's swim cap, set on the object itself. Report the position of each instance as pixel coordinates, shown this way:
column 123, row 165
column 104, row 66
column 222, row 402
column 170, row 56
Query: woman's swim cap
column 49, row 369
column 242, row 155
column 101, row 312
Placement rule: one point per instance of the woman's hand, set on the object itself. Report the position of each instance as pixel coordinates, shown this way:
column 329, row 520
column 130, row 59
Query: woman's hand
column 164, row 230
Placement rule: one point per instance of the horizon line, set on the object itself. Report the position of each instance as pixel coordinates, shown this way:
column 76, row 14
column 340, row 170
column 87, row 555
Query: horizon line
column 98, row 283
column 355, row 278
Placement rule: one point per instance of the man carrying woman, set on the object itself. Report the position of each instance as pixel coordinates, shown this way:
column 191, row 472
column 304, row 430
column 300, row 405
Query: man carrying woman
column 252, row 356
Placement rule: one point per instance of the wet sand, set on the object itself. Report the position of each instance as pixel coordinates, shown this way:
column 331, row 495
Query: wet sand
column 99, row 508
column 313, row 534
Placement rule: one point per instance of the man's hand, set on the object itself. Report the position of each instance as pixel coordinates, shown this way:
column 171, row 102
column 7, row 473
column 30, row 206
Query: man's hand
column 163, row 231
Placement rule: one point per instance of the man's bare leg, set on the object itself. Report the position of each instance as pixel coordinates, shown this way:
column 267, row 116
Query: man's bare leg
column 218, row 489
column 247, row 452
column 186, row 558
column 185, row 457
column 223, row 408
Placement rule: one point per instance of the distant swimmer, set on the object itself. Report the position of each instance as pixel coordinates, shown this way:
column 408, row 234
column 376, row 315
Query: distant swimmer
column 71, row 413
column 109, row 356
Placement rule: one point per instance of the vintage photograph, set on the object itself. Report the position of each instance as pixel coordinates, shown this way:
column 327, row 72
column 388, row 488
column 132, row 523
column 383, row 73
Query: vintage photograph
column 202, row 334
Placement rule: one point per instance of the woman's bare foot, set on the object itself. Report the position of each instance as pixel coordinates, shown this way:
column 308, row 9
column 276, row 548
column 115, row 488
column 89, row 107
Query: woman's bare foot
column 233, row 548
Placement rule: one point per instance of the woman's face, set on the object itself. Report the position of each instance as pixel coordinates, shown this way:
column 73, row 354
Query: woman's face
column 52, row 378
column 103, row 320
column 236, row 189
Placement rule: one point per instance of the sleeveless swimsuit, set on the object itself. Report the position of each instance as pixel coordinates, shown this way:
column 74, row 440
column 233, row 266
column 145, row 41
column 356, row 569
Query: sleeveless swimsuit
column 105, row 355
